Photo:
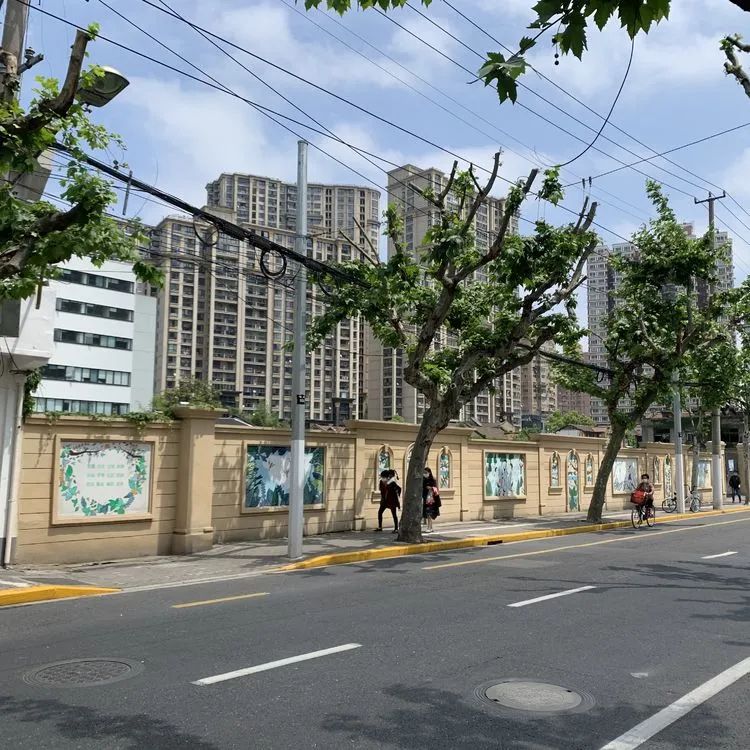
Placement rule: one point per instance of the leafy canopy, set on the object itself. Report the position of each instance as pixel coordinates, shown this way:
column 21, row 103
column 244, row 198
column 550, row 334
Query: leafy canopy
column 36, row 237
column 464, row 308
column 558, row 419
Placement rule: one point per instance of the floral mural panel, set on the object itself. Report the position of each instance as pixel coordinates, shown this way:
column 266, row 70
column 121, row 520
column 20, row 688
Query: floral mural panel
column 554, row 471
column 625, row 476
column 267, row 474
column 704, row 472
column 103, row 481
column 589, row 470
column 504, row 475
column 668, row 488
column 574, row 493
column 445, row 469
column 385, row 459
column 656, row 473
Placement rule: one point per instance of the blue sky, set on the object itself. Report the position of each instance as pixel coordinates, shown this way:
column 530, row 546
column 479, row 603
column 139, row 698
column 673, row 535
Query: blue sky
column 181, row 134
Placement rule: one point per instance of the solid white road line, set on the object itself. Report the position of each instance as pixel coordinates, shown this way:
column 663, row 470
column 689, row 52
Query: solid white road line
column 713, row 557
column 681, row 707
column 471, row 529
column 274, row 664
column 18, row 584
column 551, row 596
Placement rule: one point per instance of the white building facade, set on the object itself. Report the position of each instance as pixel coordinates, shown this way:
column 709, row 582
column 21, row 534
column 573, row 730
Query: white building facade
column 104, row 342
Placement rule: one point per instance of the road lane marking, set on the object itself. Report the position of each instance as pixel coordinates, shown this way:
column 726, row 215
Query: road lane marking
column 713, row 557
column 274, row 664
column 644, row 731
column 632, row 537
column 16, row 584
column 203, row 602
column 551, row 596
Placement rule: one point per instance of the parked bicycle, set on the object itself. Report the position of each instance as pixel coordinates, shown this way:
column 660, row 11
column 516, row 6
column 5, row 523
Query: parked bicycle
column 692, row 501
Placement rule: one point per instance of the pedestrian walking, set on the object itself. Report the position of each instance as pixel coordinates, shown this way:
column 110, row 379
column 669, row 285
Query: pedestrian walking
column 390, row 497
column 430, row 499
column 734, row 484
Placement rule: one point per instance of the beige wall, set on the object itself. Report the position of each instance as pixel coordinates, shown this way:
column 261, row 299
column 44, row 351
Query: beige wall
column 198, row 494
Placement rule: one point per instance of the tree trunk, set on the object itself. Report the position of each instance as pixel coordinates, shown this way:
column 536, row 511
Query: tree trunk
column 745, row 481
column 410, row 528
column 605, row 471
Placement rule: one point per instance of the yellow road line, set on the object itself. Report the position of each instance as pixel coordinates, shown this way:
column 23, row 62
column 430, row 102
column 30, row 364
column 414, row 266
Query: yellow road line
column 218, row 601
column 645, row 535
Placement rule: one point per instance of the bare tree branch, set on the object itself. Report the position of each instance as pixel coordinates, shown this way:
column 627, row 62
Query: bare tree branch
column 443, row 194
column 13, row 260
column 58, row 107
column 364, row 234
column 732, row 66
column 483, row 192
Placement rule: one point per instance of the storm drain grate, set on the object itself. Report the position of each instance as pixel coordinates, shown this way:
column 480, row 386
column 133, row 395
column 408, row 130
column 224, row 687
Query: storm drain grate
column 533, row 697
column 83, row 672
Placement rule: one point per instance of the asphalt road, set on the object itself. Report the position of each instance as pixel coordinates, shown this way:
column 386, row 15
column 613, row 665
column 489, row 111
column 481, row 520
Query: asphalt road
column 653, row 618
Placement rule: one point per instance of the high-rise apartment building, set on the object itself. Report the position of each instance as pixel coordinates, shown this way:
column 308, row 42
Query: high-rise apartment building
column 603, row 282
column 222, row 320
column 387, row 394
column 538, row 392
column 103, row 356
column 577, row 401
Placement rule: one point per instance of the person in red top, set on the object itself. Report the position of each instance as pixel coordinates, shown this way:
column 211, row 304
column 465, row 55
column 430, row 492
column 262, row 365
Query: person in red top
column 647, row 489
column 390, row 497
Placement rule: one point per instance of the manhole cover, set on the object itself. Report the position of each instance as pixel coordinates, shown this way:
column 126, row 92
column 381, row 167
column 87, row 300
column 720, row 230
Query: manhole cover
column 535, row 697
column 83, row 672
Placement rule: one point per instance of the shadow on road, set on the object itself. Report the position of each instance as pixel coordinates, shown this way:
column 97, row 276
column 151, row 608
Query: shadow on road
column 78, row 723
column 428, row 719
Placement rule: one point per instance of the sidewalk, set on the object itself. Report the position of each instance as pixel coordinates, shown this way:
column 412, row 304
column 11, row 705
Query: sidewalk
column 245, row 559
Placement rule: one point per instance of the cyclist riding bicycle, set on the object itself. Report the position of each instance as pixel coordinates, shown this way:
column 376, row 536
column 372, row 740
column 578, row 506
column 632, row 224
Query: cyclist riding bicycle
column 643, row 496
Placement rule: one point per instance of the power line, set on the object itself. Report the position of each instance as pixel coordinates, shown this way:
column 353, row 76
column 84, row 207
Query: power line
column 572, row 96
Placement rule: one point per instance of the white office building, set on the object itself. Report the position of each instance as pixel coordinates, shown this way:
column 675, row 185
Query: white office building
column 104, row 342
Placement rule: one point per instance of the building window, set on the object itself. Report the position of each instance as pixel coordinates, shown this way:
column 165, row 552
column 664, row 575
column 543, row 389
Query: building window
column 85, row 375
column 97, row 311
column 79, row 407
column 93, row 279
column 93, row 339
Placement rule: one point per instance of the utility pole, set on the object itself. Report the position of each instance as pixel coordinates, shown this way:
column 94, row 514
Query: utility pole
column 11, row 51
column 679, row 466
column 717, row 475
column 297, row 473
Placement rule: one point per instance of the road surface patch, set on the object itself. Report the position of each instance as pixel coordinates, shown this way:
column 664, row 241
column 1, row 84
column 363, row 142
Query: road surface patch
column 223, row 599
column 644, row 731
column 547, row 597
column 629, row 538
column 275, row 664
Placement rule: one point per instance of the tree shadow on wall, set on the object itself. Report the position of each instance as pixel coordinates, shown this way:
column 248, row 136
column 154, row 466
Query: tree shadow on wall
column 433, row 719
column 75, row 724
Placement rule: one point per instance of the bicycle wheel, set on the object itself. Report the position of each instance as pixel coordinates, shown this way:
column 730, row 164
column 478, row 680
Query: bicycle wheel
column 635, row 517
column 669, row 504
column 695, row 504
column 651, row 516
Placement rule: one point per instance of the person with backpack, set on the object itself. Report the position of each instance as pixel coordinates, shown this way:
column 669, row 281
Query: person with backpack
column 430, row 499
column 734, row 484
column 390, row 497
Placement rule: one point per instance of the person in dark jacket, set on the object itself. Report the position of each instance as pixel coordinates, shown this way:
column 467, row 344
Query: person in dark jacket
column 734, row 484
column 430, row 499
column 390, row 497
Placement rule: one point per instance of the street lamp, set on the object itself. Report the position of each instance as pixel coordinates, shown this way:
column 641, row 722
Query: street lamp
column 104, row 89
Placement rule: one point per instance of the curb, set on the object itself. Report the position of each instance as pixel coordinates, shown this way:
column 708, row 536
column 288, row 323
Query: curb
column 46, row 593
column 385, row 553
